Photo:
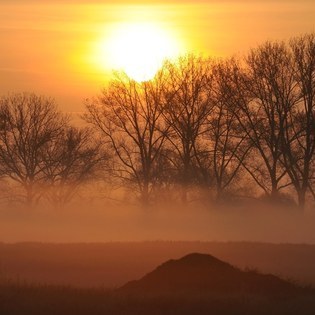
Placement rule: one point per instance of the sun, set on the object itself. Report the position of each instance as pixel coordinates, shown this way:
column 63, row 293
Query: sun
column 138, row 49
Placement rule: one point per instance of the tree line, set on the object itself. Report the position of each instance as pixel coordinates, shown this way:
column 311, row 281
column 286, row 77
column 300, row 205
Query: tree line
column 201, row 129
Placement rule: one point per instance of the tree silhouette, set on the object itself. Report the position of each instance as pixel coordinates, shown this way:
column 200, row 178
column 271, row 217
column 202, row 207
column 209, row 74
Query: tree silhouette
column 28, row 125
column 128, row 115
column 74, row 159
column 299, row 136
column 188, row 105
column 229, row 145
column 268, row 94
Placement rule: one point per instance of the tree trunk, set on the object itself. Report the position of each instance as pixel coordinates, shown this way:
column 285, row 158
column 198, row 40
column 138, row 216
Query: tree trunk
column 145, row 198
column 301, row 198
column 274, row 195
column 29, row 196
column 184, row 196
column 218, row 197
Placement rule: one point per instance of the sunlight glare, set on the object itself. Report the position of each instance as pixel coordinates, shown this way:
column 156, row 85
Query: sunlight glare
column 138, row 49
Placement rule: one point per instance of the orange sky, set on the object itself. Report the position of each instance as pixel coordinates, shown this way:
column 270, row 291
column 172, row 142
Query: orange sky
column 48, row 46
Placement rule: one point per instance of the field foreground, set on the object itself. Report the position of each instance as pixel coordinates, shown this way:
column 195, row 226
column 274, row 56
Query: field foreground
column 195, row 284
column 49, row 300
column 111, row 265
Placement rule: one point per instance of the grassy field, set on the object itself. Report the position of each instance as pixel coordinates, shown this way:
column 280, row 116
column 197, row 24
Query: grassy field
column 17, row 299
column 79, row 279
column 113, row 264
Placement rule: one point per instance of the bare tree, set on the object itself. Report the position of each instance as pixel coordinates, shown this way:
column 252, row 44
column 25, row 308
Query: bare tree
column 128, row 116
column 188, row 104
column 28, row 125
column 299, row 136
column 269, row 92
column 229, row 145
column 74, row 159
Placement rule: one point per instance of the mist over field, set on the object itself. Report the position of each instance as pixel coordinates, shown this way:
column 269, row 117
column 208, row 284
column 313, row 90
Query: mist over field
column 99, row 223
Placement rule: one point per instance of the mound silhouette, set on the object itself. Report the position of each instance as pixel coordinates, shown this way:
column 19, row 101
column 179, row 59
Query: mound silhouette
column 202, row 273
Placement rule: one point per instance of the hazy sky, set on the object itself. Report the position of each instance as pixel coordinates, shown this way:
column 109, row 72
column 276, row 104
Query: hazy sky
column 50, row 46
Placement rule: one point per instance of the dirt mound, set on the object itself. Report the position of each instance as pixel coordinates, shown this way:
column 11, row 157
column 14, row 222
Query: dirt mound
column 202, row 274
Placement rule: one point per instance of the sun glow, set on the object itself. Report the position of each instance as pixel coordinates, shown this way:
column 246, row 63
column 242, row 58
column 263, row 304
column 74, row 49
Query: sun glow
column 138, row 49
